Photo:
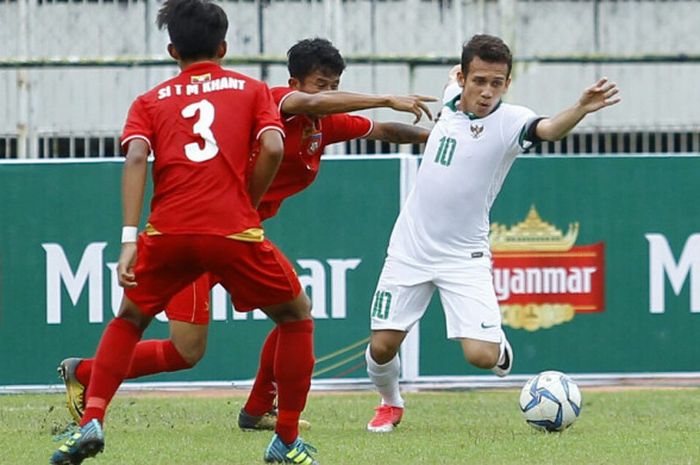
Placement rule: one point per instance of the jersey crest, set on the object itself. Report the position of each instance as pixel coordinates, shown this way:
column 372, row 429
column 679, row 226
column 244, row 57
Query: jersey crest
column 314, row 143
column 311, row 136
column 477, row 130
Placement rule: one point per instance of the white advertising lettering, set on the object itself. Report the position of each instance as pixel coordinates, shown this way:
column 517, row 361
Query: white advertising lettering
column 662, row 264
column 320, row 279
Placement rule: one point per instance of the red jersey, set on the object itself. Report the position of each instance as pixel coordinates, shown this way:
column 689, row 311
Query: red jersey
column 305, row 140
column 201, row 127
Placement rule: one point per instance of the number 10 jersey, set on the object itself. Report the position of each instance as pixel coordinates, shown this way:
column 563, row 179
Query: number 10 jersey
column 445, row 219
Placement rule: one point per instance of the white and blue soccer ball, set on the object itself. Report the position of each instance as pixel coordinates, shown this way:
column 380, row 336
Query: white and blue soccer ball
column 550, row 401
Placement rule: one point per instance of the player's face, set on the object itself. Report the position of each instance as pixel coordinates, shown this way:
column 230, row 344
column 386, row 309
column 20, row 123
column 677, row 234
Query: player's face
column 316, row 82
column 483, row 86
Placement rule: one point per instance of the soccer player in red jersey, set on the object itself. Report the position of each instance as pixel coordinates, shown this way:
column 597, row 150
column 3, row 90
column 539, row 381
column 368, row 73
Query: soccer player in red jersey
column 315, row 67
column 314, row 116
column 201, row 127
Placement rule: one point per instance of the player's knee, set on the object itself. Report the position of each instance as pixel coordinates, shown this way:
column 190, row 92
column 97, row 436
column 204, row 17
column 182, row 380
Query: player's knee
column 304, row 306
column 192, row 350
column 296, row 310
column 192, row 355
column 382, row 351
column 131, row 313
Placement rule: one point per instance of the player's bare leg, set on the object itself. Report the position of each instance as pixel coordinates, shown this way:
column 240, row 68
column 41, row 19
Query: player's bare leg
column 495, row 356
column 190, row 340
column 293, row 365
column 384, row 370
column 481, row 354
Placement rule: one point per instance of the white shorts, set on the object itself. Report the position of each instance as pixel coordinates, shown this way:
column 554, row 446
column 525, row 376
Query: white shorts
column 466, row 292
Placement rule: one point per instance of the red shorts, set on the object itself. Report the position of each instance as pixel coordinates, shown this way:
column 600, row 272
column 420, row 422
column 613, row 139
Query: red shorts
column 191, row 304
column 256, row 274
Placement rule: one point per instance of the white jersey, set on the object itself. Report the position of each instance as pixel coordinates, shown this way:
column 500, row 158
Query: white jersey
column 466, row 159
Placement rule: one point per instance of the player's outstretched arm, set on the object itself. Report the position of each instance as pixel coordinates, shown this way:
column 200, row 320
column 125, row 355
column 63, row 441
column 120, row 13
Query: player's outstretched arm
column 133, row 187
column 600, row 95
column 266, row 165
column 398, row 133
column 331, row 102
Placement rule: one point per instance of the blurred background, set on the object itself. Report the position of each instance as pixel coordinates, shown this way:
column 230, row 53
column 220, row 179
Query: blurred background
column 624, row 183
column 69, row 69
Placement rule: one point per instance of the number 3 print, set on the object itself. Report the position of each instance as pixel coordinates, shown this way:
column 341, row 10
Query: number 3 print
column 202, row 127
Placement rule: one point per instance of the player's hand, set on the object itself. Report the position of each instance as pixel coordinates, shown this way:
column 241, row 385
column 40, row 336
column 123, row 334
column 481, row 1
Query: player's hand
column 415, row 104
column 125, row 267
column 599, row 95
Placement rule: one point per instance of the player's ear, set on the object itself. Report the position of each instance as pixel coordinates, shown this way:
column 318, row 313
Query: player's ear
column 505, row 88
column 460, row 78
column 294, row 83
column 221, row 51
column 172, row 51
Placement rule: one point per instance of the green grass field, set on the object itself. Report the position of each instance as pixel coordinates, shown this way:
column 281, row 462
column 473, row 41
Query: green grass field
column 472, row 427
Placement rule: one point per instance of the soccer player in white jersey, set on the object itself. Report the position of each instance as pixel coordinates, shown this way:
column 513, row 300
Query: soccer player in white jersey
column 440, row 239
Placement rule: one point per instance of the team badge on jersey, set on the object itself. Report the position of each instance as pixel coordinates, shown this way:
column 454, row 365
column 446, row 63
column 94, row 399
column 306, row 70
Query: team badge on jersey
column 477, row 130
column 311, row 135
column 314, row 143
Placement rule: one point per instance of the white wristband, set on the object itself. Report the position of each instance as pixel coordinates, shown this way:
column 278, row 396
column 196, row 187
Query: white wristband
column 129, row 234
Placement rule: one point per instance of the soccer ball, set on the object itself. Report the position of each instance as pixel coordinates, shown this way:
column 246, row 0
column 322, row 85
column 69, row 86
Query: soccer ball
column 550, row 401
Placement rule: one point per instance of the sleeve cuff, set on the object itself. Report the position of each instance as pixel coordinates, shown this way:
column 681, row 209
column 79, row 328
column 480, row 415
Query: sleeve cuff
column 279, row 105
column 137, row 136
column 371, row 127
column 268, row 128
column 528, row 134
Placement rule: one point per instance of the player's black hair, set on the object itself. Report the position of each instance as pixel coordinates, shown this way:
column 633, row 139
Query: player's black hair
column 196, row 27
column 309, row 55
column 489, row 48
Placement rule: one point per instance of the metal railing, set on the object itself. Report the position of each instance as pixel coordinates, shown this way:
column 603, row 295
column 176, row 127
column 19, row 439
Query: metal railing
column 412, row 61
column 106, row 145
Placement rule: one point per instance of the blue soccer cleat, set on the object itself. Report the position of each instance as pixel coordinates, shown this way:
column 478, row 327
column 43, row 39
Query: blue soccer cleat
column 84, row 443
column 297, row 452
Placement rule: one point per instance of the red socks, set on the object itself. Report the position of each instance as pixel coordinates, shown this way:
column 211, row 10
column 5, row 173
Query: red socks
column 262, row 395
column 157, row 356
column 111, row 365
column 84, row 370
column 294, row 363
column 150, row 357
column 286, row 357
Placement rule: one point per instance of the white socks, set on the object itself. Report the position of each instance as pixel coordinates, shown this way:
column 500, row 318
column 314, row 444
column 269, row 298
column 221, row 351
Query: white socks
column 386, row 379
column 502, row 350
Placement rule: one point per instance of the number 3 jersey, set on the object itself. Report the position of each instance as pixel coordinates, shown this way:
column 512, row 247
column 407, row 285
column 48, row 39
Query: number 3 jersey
column 466, row 159
column 201, row 127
